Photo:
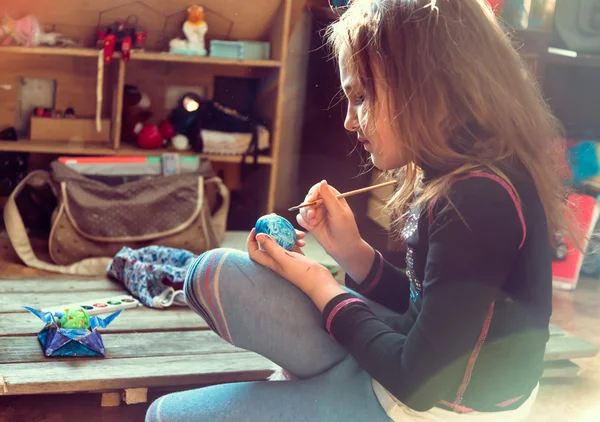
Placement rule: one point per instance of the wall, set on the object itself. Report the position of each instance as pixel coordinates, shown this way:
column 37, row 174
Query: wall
column 294, row 93
column 162, row 19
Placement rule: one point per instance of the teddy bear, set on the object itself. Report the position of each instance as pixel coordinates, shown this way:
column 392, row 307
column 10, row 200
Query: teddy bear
column 136, row 112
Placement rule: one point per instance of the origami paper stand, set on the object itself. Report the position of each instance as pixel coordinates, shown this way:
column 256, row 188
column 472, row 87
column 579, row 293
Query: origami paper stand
column 56, row 341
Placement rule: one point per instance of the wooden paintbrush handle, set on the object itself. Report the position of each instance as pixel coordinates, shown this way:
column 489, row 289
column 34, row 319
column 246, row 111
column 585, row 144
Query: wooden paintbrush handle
column 345, row 195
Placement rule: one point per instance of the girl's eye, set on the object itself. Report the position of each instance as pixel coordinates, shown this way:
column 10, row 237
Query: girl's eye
column 359, row 100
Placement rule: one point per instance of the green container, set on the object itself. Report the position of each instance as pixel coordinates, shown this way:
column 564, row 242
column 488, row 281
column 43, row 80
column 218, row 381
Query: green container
column 240, row 50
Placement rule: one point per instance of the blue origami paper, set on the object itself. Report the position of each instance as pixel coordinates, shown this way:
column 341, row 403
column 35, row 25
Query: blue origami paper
column 56, row 341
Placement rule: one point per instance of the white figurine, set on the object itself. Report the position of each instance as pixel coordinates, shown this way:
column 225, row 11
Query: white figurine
column 194, row 28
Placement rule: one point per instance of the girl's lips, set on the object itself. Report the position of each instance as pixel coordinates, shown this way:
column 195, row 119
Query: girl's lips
column 363, row 140
column 365, row 144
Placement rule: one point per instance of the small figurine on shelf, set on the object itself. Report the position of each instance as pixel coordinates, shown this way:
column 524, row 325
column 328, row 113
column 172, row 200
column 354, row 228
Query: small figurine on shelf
column 25, row 31
column 182, row 127
column 150, row 137
column 121, row 36
column 28, row 32
column 136, row 112
column 194, row 28
column 42, row 112
column 69, row 113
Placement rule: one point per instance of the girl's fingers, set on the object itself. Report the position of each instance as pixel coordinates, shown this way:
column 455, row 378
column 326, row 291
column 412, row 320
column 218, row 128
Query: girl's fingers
column 337, row 192
column 251, row 243
column 304, row 212
column 302, row 222
column 257, row 255
column 300, row 234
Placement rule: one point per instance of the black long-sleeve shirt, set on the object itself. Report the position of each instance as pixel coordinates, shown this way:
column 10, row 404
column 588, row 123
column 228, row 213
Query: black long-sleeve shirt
column 473, row 304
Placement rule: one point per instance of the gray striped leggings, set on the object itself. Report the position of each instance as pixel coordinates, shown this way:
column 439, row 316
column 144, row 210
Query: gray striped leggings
column 254, row 309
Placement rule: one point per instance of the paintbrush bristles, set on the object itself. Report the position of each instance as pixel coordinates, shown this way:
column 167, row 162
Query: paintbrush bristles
column 344, row 195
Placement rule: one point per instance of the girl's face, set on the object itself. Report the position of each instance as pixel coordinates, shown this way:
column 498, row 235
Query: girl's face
column 376, row 136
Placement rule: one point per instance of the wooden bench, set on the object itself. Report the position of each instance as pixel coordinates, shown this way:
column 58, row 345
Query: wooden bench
column 560, row 349
column 149, row 348
column 144, row 347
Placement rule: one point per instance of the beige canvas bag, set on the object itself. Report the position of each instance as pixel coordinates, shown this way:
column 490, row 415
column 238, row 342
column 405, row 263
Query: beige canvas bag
column 93, row 221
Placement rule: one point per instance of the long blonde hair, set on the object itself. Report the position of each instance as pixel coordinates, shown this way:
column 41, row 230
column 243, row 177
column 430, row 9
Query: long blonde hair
column 460, row 95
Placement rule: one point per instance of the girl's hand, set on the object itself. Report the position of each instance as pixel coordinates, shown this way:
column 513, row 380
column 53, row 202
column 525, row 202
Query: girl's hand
column 294, row 266
column 331, row 223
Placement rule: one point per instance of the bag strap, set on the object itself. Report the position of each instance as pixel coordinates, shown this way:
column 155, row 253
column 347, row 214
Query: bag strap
column 17, row 233
column 218, row 221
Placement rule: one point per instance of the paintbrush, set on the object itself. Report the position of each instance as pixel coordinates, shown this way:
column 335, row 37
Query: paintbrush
column 344, row 195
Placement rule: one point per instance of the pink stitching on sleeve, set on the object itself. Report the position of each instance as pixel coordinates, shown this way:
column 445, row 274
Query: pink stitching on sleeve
column 369, row 287
column 337, row 308
column 473, row 358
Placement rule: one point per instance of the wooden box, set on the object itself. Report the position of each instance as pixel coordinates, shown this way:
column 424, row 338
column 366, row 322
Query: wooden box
column 69, row 129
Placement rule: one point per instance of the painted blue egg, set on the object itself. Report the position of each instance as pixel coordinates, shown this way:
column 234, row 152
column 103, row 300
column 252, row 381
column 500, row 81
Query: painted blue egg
column 280, row 229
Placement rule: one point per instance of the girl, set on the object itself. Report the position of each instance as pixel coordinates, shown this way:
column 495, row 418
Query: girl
column 438, row 97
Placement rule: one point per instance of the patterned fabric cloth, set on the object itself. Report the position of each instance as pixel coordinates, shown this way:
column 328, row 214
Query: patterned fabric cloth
column 154, row 274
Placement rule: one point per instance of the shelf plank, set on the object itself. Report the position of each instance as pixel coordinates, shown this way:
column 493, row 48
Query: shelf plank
column 128, row 149
column 176, row 58
column 51, row 51
column 142, row 56
column 57, row 147
column 78, row 148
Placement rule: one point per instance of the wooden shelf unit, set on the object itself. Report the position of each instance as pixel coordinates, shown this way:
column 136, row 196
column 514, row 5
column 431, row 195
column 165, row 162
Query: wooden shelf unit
column 139, row 55
column 198, row 70
column 79, row 148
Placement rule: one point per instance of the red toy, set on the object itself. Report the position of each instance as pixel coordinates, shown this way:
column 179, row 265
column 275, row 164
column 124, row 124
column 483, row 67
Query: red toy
column 136, row 112
column 121, row 36
column 150, row 137
column 166, row 129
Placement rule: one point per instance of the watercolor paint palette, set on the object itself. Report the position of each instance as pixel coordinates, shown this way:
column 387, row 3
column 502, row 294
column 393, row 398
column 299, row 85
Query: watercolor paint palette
column 99, row 306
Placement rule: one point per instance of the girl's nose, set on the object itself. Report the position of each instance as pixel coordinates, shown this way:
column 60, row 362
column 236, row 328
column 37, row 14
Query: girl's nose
column 351, row 121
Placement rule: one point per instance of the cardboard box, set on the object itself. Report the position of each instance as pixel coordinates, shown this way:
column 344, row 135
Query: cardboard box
column 69, row 129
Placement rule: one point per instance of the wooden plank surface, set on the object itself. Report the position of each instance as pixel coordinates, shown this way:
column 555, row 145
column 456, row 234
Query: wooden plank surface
column 130, row 320
column 129, row 345
column 560, row 369
column 57, row 147
column 50, row 286
column 175, row 58
column 51, row 51
column 77, row 148
column 123, row 345
column 14, row 302
column 109, row 374
column 561, row 347
column 139, row 55
column 556, row 331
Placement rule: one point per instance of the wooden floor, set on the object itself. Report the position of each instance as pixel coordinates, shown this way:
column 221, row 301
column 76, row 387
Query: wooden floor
column 576, row 399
